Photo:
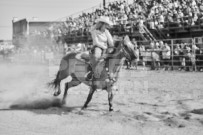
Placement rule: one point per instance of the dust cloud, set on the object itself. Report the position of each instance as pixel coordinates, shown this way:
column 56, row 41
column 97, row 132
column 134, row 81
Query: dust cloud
column 23, row 86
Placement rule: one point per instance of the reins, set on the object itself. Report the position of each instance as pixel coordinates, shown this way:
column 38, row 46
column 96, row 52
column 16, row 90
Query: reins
column 125, row 53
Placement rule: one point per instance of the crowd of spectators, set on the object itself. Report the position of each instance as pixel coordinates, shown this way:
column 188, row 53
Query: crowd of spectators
column 179, row 12
column 152, row 13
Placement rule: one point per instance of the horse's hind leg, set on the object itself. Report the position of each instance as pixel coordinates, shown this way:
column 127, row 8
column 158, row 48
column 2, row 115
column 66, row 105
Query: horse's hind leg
column 74, row 82
column 91, row 92
column 110, row 99
column 60, row 76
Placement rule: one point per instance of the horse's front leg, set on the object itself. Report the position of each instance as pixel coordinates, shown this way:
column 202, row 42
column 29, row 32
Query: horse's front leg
column 110, row 99
column 57, row 91
column 91, row 92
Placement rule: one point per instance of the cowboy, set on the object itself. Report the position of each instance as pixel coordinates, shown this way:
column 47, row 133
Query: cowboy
column 102, row 42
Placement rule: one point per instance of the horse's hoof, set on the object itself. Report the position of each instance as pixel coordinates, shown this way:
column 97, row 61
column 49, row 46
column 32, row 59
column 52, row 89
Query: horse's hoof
column 57, row 93
column 110, row 109
column 63, row 102
column 84, row 107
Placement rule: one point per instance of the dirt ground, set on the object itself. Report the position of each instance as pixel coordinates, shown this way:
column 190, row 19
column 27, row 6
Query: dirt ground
column 147, row 103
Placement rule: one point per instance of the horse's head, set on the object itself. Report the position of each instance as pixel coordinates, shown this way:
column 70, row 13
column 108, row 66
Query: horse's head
column 128, row 49
column 125, row 47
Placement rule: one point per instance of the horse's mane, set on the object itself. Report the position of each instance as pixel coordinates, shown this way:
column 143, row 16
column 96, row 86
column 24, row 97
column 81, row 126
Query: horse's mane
column 117, row 43
column 127, row 45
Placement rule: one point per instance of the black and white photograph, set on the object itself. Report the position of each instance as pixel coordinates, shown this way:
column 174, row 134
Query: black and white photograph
column 101, row 67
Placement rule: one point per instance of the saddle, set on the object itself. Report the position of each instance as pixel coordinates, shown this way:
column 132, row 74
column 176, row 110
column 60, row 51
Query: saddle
column 83, row 56
column 99, row 68
column 88, row 59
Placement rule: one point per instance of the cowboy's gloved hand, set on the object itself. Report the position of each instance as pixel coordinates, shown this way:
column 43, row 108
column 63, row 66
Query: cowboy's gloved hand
column 110, row 50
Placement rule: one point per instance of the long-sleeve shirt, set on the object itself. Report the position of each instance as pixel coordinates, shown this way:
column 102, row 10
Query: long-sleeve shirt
column 166, row 52
column 101, row 39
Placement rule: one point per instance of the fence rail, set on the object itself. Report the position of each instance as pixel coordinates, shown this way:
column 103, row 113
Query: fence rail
column 178, row 58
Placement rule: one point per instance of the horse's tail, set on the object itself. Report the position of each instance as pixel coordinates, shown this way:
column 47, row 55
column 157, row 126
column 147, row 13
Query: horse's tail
column 56, row 82
column 63, row 71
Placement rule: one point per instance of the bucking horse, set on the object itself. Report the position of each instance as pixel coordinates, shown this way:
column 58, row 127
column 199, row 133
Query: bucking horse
column 76, row 65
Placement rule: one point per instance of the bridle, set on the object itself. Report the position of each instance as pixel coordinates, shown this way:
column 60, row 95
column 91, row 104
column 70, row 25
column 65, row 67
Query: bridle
column 125, row 53
column 122, row 49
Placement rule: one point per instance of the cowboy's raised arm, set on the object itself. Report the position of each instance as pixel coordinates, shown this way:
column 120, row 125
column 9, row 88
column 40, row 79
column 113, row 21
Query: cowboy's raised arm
column 109, row 38
column 97, row 42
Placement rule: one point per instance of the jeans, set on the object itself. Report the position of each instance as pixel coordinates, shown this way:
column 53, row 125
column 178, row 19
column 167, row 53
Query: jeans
column 96, row 57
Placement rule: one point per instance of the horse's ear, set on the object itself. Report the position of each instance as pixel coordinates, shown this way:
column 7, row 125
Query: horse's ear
column 130, row 47
column 127, row 42
column 126, row 39
column 117, row 40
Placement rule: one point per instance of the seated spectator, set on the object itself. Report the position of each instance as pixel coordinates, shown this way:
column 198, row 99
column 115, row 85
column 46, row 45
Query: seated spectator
column 136, row 51
column 123, row 19
column 156, row 56
column 80, row 47
column 193, row 62
column 201, row 7
column 194, row 48
column 151, row 46
column 166, row 55
column 151, row 24
column 151, row 50
column 187, row 55
column 193, row 56
column 141, row 25
column 177, row 57
column 199, row 59
column 182, row 57
column 142, row 55
column 161, row 21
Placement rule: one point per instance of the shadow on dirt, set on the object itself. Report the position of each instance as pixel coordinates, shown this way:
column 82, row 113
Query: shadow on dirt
column 48, row 111
column 197, row 111
column 37, row 104
column 42, row 106
column 63, row 110
column 29, row 102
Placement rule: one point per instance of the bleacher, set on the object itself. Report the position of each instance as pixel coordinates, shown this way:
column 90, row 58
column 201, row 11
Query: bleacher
column 76, row 29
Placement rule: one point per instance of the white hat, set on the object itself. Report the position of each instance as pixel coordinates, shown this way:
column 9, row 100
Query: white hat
column 105, row 20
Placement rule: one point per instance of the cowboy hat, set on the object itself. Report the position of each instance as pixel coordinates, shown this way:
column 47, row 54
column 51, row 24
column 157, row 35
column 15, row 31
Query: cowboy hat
column 104, row 19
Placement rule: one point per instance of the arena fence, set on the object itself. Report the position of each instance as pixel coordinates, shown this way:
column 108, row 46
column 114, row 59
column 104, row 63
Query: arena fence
column 186, row 58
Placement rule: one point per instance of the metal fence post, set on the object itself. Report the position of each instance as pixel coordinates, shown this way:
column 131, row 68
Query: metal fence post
column 172, row 54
